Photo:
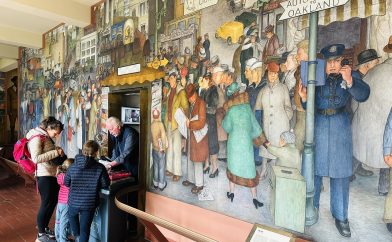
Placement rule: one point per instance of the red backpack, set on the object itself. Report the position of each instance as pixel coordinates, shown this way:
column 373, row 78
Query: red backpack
column 22, row 155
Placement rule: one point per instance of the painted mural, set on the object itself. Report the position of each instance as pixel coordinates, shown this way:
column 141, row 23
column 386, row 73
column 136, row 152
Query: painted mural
column 232, row 104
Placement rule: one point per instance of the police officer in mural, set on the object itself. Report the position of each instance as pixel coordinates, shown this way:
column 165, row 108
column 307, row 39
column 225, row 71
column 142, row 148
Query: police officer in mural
column 333, row 140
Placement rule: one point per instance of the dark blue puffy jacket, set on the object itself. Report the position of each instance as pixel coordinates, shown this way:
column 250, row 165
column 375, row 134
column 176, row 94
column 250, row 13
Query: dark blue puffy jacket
column 85, row 178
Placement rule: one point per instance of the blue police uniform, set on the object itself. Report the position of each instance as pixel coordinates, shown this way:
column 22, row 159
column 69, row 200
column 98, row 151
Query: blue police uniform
column 333, row 138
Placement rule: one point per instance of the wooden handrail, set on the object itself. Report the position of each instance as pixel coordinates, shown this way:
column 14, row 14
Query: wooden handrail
column 156, row 220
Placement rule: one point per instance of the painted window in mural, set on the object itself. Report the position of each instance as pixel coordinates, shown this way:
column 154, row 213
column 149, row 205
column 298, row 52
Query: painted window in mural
column 88, row 49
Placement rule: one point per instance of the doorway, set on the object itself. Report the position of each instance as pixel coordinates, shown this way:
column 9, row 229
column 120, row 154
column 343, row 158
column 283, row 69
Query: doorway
column 131, row 106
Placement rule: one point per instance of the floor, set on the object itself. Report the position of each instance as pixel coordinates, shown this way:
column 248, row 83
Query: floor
column 366, row 207
column 18, row 206
column 18, row 210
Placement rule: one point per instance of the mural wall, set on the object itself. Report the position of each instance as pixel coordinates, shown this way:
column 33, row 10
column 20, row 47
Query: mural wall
column 207, row 151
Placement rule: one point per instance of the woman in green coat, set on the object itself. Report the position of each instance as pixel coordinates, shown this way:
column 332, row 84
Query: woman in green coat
column 242, row 128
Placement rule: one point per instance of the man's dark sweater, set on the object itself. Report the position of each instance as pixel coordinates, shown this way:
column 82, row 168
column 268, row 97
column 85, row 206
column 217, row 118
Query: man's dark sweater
column 125, row 149
column 85, row 178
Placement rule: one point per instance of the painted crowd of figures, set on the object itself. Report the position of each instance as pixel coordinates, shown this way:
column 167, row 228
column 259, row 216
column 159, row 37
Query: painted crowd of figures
column 77, row 106
column 260, row 117
column 219, row 89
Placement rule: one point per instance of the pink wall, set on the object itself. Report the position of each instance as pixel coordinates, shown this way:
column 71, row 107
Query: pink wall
column 214, row 225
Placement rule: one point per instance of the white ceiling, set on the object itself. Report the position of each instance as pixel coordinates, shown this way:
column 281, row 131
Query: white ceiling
column 23, row 22
column 87, row 2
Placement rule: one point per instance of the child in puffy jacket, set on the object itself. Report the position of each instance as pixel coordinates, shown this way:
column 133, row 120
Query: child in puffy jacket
column 62, row 230
column 85, row 178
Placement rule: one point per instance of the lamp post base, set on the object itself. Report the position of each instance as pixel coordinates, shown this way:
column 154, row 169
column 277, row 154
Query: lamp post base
column 311, row 212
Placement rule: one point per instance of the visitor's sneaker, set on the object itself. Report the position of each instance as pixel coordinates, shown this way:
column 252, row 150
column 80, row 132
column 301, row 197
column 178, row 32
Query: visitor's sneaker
column 42, row 238
column 50, row 233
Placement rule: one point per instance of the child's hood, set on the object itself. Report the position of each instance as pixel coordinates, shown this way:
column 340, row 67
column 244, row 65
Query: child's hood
column 82, row 161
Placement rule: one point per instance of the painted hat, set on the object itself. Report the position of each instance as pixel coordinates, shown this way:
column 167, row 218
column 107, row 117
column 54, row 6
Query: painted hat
column 215, row 60
column 284, row 57
column 273, row 66
column 173, row 72
column 388, row 47
column 225, row 67
column 254, row 32
column 251, row 61
column 155, row 113
column 190, row 90
column 367, row 55
column 217, row 69
column 194, row 59
column 233, row 88
column 269, row 28
column 332, row 51
column 257, row 64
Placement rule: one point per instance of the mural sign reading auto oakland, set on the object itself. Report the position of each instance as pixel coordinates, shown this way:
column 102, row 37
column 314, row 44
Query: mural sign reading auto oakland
column 295, row 8
column 191, row 6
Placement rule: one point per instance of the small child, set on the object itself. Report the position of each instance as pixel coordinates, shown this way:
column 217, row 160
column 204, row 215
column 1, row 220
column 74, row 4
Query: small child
column 159, row 145
column 85, row 179
column 61, row 227
column 288, row 155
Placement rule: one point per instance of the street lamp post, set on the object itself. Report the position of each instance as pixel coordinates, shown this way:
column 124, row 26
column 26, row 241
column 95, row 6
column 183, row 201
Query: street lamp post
column 158, row 21
column 311, row 216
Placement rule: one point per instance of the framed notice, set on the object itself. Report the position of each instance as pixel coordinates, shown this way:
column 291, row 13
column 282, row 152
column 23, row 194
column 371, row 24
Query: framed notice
column 261, row 233
column 130, row 115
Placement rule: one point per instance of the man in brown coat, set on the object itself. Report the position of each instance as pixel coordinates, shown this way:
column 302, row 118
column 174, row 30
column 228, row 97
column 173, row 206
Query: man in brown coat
column 198, row 152
column 272, row 45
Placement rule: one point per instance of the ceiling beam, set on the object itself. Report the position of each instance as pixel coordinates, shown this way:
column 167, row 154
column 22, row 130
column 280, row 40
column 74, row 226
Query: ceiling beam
column 8, row 51
column 17, row 37
column 7, row 64
column 61, row 11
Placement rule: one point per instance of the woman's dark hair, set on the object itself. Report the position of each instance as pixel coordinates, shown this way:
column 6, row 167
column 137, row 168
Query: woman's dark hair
column 51, row 123
column 90, row 148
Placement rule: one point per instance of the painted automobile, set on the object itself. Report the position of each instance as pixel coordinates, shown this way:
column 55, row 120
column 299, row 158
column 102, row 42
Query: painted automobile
column 231, row 32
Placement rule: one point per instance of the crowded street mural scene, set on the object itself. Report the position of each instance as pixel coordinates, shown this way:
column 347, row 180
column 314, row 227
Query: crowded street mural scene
column 233, row 100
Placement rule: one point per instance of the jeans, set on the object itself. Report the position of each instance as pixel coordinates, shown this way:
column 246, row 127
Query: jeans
column 61, row 228
column 339, row 192
column 159, row 163
column 80, row 221
column 95, row 234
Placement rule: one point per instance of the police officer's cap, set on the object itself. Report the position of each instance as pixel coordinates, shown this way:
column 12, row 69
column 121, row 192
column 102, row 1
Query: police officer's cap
column 332, row 51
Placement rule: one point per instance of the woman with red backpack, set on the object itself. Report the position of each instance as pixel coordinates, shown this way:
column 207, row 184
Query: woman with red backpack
column 47, row 157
